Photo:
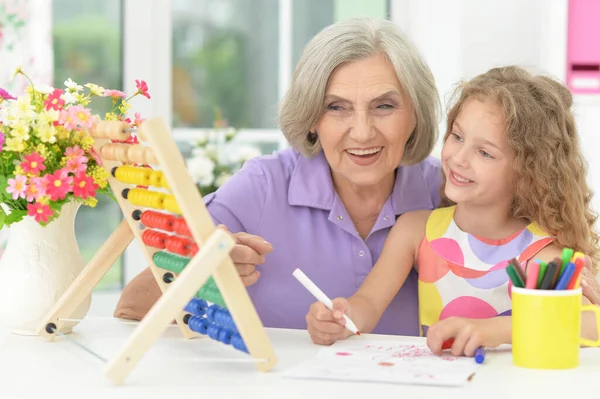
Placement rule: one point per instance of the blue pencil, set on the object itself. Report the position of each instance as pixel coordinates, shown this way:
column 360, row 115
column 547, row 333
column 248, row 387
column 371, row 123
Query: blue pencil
column 563, row 281
column 480, row 355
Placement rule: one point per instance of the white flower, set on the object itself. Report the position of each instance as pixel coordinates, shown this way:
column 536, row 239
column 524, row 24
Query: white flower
column 244, row 153
column 4, row 116
column 44, row 89
column 69, row 98
column 230, row 134
column 211, row 151
column 72, row 86
column 202, row 170
column 222, row 178
column 22, row 110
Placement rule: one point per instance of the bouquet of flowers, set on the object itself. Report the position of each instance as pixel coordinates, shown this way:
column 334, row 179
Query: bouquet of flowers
column 214, row 161
column 47, row 156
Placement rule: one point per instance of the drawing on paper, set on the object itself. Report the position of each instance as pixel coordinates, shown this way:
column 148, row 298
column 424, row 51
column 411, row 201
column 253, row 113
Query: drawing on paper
column 385, row 361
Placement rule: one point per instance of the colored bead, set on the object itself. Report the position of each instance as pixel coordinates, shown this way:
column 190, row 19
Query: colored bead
column 197, row 307
column 158, row 220
column 225, row 336
column 171, row 262
column 198, row 324
column 213, row 331
column 238, row 343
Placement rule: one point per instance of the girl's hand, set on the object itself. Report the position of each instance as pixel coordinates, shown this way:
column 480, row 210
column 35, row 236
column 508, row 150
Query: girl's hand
column 325, row 326
column 469, row 334
column 589, row 284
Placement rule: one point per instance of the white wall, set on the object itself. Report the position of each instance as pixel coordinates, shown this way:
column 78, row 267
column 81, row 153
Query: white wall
column 462, row 38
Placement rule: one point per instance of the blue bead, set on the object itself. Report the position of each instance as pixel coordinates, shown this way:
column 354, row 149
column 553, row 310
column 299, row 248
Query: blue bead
column 198, row 324
column 196, row 306
column 238, row 343
column 213, row 331
column 225, row 336
column 210, row 313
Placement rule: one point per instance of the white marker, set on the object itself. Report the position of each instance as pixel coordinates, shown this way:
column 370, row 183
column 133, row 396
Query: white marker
column 321, row 297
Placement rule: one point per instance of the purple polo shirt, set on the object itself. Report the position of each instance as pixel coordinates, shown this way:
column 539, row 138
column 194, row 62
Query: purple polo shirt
column 290, row 201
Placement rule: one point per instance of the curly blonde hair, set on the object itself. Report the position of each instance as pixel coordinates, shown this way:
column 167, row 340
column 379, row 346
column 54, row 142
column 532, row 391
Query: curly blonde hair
column 550, row 170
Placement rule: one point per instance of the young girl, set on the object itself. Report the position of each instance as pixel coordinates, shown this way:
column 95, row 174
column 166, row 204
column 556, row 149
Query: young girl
column 514, row 188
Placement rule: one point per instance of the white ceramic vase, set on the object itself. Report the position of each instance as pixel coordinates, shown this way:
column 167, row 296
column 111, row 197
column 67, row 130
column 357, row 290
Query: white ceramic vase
column 37, row 266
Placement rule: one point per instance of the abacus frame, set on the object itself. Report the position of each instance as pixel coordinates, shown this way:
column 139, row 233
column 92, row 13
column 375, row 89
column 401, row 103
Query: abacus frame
column 212, row 259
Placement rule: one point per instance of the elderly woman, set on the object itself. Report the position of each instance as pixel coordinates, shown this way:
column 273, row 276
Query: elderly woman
column 361, row 117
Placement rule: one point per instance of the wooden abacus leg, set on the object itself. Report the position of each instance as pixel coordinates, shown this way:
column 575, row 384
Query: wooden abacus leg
column 244, row 315
column 86, row 281
column 213, row 252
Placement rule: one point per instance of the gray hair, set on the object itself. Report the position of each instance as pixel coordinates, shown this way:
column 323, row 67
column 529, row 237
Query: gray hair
column 349, row 41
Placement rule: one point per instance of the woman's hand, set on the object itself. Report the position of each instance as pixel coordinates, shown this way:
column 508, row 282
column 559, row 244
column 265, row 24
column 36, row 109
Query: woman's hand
column 249, row 251
column 589, row 284
column 325, row 326
column 469, row 334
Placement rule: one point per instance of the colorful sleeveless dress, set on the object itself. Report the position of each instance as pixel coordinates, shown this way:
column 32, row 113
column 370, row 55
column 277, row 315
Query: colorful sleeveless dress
column 463, row 275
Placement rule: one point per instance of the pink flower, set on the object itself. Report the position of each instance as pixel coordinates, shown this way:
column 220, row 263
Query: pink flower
column 142, row 88
column 40, row 184
column 76, row 162
column 35, row 190
column 67, row 119
column 76, row 116
column 84, row 186
column 39, row 211
column 54, row 101
column 75, row 165
column 95, row 156
column 1, row 140
column 59, row 184
column 33, row 163
column 6, row 95
column 114, row 94
column 74, row 152
column 138, row 119
column 17, row 186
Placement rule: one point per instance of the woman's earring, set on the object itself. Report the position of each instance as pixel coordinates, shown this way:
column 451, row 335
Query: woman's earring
column 312, row 138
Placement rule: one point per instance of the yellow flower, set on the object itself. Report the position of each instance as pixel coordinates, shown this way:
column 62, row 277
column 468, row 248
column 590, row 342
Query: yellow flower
column 44, row 200
column 95, row 89
column 62, row 133
column 47, row 117
column 42, row 150
column 20, row 130
column 82, row 99
column 90, row 201
column 46, row 133
column 19, row 170
column 124, row 107
column 99, row 174
column 14, row 144
column 110, row 116
column 86, row 143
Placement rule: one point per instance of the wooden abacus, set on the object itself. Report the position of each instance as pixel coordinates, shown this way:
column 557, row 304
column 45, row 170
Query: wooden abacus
column 188, row 255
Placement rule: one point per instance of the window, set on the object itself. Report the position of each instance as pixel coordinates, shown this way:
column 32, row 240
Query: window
column 87, row 43
column 237, row 56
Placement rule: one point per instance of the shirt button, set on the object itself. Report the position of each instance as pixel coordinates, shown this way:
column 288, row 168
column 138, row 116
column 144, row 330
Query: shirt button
column 361, row 253
column 340, row 217
column 386, row 217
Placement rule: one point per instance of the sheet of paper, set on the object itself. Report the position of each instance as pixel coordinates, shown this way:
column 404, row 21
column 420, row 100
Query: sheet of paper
column 385, row 362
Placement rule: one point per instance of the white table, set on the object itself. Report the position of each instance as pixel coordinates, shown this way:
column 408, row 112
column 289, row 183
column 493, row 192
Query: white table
column 33, row 368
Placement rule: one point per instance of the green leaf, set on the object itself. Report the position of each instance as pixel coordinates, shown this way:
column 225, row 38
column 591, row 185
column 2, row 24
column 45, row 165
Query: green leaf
column 2, row 217
column 15, row 216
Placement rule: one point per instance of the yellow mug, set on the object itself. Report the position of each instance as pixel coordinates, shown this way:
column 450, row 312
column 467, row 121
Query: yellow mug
column 546, row 328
